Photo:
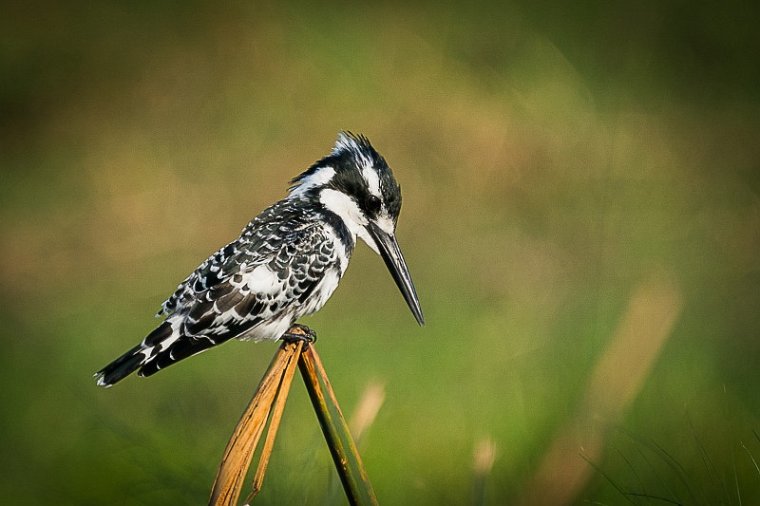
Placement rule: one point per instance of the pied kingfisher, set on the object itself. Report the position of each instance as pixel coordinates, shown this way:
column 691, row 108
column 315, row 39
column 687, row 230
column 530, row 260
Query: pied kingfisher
column 286, row 263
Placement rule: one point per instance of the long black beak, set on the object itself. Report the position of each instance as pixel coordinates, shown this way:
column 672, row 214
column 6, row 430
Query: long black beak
column 396, row 264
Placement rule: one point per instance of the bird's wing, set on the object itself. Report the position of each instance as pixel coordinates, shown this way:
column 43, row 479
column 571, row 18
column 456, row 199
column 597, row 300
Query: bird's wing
column 259, row 241
column 262, row 277
column 264, row 289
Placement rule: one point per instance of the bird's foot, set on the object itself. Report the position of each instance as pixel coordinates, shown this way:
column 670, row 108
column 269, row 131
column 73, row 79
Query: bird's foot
column 300, row 332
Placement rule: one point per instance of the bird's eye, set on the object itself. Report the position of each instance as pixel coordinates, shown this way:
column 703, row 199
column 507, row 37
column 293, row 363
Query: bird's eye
column 373, row 204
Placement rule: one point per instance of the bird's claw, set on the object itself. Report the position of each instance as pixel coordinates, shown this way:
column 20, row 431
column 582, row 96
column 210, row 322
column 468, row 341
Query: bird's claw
column 300, row 332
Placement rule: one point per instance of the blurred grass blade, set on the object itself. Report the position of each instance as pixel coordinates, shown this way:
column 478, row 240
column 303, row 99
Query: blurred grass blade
column 483, row 459
column 752, row 458
column 342, row 448
column 239, row 452
column 366, row 410
column 274, row 423
column 617, row 378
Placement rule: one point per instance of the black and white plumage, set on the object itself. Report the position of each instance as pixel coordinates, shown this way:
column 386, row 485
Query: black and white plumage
column 286, row 263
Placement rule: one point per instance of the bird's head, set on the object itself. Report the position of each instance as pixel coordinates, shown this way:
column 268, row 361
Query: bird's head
column 355, row 183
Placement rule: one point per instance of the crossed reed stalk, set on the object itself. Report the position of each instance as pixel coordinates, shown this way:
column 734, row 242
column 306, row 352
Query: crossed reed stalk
column 268, row 403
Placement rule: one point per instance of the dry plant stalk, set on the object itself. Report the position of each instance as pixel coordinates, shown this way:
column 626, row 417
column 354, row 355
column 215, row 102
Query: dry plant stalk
column 242, row 445
column 335, row 429
column 274, row 424
column 270, row 398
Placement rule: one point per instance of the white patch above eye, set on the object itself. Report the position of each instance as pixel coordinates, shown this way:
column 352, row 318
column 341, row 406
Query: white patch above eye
column 373, row 180
column 320, row 177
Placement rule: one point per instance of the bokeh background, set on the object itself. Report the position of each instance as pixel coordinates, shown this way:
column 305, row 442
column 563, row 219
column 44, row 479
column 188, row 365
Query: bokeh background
column 581, row 217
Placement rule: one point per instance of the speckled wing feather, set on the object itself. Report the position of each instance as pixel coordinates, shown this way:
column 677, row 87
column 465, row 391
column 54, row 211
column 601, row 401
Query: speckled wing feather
column 253, row 288
column 258, row 243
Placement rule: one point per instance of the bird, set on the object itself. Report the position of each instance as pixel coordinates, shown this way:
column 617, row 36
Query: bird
column 285, row 265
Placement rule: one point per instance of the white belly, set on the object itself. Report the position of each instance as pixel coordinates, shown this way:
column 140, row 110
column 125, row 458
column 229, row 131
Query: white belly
column 274, row 327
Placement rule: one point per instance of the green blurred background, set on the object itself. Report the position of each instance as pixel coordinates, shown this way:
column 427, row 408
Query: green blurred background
column 581, row 217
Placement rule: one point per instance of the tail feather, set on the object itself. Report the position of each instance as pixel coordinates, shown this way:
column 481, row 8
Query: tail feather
column 134, row 358
column 182, row 348
column 121, row 367
column 166, row 345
